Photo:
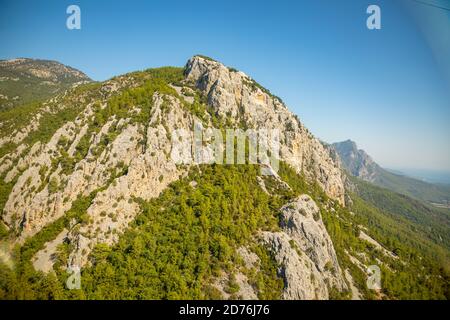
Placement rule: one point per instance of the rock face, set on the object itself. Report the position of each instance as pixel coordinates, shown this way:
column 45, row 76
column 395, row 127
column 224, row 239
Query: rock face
column 148, row 171
column 357, row 162
column 136, row 163
column 305, row 253
column 236, row 95
column 24, row 80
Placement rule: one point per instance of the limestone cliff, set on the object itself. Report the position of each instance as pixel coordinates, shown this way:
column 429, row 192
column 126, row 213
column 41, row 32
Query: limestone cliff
column 116, row 153
column 235, row 94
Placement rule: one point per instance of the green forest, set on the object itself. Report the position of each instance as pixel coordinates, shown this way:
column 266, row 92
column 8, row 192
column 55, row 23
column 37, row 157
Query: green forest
column 187, row 237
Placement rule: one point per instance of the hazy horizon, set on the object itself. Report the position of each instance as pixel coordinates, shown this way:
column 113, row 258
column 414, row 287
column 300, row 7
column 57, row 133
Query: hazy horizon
column 430, row 176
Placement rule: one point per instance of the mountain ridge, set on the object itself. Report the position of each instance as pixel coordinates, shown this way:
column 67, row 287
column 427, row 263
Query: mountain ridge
column 359, row 164
column 87, row 181
column 23, row 80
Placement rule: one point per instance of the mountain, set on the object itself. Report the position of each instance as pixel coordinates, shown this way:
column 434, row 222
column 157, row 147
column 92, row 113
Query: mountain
column 359, row 164
column 89, row 180
column 26, row 80
column 433, row 223
column 441, row 177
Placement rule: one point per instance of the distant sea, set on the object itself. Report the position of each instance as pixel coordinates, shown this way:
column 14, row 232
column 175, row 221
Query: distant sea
column 431, row 176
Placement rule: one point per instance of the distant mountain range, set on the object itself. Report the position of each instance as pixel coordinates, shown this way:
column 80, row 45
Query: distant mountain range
column 359, row 164
column 24, row 80
column 430, row 176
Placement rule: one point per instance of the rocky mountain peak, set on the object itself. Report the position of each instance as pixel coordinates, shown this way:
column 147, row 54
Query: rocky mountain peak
column 229, row 91
column 239, row 98
column 359, row 164
column 305, row 252
column 356, row 161
column 348, row 145
column 111, row 143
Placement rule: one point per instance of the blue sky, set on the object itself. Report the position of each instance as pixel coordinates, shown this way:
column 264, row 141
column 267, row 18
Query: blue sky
column 387, row 89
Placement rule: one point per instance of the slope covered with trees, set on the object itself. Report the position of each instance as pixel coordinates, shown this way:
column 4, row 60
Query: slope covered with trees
column 182, row 243
column 359, row 164
column 424, row 219
column 23, row 81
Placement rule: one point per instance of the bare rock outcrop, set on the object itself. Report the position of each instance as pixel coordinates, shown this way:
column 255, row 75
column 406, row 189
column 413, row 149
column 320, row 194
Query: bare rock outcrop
column 49, row 176
column 304, row 252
